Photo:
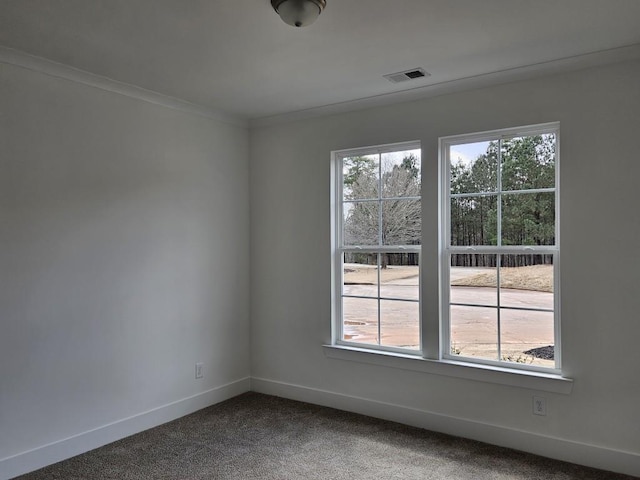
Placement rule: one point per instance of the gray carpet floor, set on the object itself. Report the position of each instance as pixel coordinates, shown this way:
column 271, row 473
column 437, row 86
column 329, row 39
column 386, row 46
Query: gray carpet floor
column 257, row 436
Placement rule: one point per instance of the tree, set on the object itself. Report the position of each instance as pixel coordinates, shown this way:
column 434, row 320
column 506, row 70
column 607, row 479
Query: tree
column 377, row 210
column 528, row 218
column 527, row 163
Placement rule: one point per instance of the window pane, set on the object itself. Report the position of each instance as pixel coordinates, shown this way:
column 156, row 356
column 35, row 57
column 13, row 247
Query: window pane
column 473, row 220
column 473, row 279
column 360, row 320
column 399, row 277
column 528, row 219
column 360, row 177
column 474, row 332
column 526, row 281
column 361, row 221
column 528, row 162
column 401, row 174
column 527, row 337
column 474, row 167
column 401, row 222
column 399, row 324
column 360, row 274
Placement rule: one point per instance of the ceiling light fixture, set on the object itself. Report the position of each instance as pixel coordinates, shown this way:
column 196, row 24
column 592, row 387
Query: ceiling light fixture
column 299, row 13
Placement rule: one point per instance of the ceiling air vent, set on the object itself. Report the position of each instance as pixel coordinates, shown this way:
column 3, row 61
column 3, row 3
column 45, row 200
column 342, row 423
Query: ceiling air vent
column 407, row 75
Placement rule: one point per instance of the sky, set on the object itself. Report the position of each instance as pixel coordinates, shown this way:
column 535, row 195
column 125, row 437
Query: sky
column 467, row 152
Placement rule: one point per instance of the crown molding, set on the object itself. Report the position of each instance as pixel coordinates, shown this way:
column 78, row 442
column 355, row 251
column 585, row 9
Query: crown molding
column 563, row 65
column 21, row 59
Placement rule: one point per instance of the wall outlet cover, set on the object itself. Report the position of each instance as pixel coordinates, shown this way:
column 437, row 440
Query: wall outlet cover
column 539, row 405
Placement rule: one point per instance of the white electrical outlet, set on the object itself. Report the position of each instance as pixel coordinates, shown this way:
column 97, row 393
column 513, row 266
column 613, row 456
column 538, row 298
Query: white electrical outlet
column 199, row 373
column 539, row 406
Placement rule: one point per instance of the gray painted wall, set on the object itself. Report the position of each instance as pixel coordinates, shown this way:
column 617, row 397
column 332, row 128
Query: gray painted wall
column 124, row 257
column 599, row 114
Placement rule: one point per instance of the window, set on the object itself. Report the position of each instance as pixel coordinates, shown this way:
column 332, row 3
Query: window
column 500, row 252
column 377, row 225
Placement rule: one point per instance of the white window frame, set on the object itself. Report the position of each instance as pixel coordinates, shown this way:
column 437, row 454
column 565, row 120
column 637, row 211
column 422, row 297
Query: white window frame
column 338, row 248
column 433, row 356
column 446, row 249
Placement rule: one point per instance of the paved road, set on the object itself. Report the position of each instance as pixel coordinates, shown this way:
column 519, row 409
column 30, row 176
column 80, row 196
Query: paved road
column 474, row 327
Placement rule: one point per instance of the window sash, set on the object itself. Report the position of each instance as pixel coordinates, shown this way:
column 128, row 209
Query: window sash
column 446, row 304
column 379, row 297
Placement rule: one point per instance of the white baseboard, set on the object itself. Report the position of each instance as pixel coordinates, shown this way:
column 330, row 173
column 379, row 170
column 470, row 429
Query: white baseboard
column 551, row 447
column 83, row 442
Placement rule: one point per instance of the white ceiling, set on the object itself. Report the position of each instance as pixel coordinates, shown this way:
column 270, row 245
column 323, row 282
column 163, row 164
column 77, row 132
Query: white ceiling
column 238, row 57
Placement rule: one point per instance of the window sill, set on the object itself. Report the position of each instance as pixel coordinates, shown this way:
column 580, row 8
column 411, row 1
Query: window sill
column 544, row 382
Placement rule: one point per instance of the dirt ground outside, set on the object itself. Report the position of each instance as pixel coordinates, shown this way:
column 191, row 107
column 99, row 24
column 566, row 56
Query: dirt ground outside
column 474, row 326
